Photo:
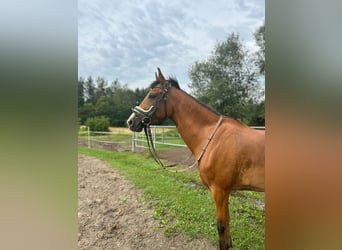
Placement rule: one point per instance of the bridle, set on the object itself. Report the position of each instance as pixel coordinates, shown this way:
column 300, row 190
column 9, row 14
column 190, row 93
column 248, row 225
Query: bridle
column 146, row 117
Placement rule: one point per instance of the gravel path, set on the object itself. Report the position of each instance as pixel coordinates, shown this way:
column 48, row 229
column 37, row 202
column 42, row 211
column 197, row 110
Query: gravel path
column 113, row 215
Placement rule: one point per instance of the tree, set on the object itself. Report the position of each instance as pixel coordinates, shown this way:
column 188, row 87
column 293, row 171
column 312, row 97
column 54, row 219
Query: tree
column 123, row 100
column 90, row 90
column 226, row 81
column 80, row 92
column 104, row 106
column 86, row 111
column 259, row 109
column 256, row 113
column 98, row 123
column 100, row 90
column 259, row 36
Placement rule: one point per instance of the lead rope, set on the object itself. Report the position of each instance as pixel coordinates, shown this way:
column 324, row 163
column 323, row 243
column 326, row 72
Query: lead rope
column 153, row 151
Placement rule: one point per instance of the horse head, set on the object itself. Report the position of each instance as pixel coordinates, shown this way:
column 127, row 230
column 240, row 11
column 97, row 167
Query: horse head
column 153, row 108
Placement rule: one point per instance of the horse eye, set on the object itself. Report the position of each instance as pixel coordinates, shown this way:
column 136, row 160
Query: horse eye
column 152, row 96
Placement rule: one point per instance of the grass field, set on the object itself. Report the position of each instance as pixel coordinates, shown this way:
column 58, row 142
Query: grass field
column 183, row 205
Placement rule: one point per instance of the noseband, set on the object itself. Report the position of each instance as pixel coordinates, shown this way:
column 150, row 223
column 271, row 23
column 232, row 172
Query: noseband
column 146, row 115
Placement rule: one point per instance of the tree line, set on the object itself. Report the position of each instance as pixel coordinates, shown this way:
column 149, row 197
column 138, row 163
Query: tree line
column 113, row 101
column 230, row 81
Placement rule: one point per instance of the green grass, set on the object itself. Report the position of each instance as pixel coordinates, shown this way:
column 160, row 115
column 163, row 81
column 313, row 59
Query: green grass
column 183, row 205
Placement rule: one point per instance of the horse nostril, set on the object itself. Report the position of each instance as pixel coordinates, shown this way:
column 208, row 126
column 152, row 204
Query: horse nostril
column 129, row 122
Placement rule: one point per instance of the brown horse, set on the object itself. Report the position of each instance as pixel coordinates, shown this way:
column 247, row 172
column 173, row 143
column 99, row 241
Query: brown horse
column 230, row 155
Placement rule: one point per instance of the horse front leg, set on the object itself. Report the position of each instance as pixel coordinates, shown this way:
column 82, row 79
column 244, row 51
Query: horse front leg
column 222, row 218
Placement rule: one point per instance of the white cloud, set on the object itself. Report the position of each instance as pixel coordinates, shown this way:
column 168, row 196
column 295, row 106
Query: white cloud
column 127, row 40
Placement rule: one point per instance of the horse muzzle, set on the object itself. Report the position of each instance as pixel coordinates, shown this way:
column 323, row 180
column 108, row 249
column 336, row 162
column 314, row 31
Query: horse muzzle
column 134, row 123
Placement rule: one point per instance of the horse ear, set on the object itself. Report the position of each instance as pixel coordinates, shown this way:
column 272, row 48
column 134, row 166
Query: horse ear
column 155, row 73
column 160, row 75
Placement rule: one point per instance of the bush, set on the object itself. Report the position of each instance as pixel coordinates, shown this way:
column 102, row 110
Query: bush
column 98, row 123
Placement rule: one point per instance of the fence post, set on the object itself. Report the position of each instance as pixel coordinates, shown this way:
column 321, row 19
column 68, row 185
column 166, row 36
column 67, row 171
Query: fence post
column 88, row 137
column 154, row 136
column 133, row 142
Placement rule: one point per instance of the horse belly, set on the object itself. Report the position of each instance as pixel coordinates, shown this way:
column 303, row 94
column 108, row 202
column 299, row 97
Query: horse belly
column 252, row 179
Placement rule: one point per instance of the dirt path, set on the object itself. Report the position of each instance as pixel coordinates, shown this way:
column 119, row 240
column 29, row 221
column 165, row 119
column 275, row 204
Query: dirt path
column 112, row 214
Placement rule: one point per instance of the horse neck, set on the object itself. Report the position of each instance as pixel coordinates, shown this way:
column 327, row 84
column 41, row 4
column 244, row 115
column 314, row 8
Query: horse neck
column 194, row 121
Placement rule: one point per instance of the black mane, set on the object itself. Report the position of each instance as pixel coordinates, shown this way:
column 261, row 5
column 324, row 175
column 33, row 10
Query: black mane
column 171, row 80
column 174, row 82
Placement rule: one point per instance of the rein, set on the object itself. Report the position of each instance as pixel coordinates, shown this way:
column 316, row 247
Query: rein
column 146, row 121
column 153, row 151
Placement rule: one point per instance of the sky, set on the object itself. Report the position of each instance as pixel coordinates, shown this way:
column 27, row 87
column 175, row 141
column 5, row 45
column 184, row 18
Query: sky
column 128, row 40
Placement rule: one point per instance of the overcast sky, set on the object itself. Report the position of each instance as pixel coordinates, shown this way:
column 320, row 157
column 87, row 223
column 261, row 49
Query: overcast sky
column 128, row 40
